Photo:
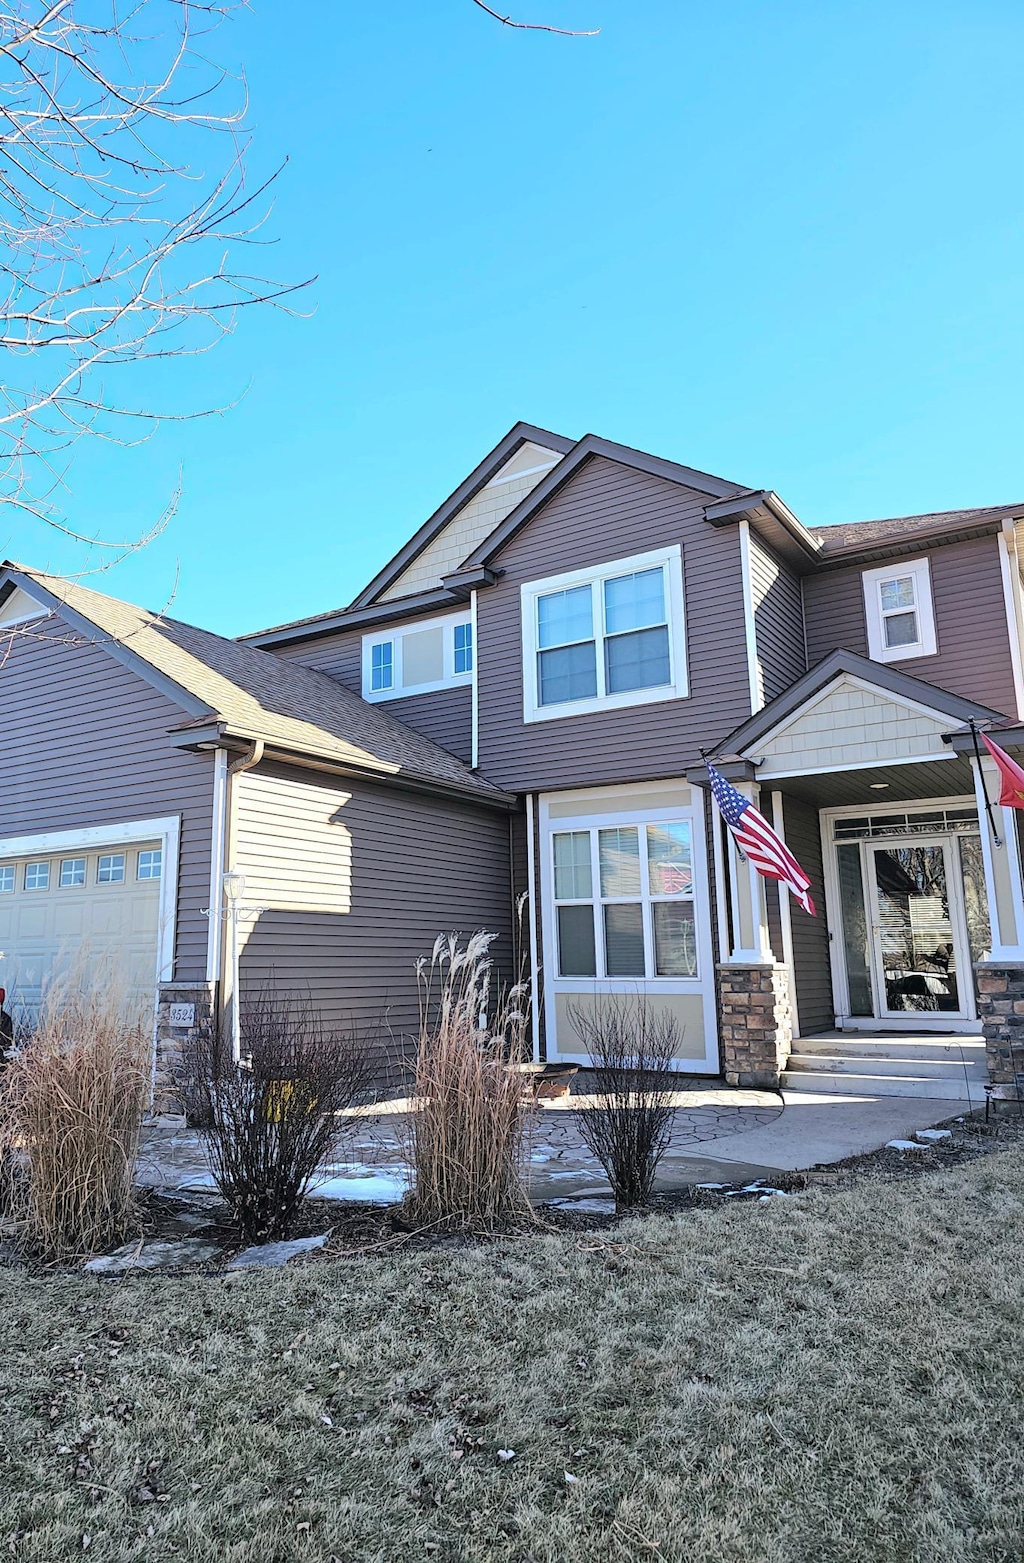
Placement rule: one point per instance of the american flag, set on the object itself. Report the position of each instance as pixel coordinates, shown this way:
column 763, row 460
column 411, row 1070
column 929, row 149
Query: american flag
column 755, row 837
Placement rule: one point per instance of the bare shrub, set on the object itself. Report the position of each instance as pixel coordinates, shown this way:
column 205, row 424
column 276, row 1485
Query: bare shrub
column 627, row 1120
column 72, row 1100
column 467, row 1132
column 269, row 1122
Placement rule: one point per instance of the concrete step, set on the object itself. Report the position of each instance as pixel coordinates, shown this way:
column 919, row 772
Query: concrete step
column 826, row 1082
column 951, row 1067
column 852, row 1046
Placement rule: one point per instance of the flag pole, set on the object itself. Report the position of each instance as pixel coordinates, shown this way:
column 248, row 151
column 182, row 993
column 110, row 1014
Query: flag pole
column 984, row 790
column 704, row 753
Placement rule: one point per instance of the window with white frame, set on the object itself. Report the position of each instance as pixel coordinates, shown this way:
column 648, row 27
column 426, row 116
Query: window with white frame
column 150, row 865
column 6, row 878
column 624, row 901
column 424, row 655
column 898, row 607
column 37, row 876
column 607, row 638
column 72, row 872
column 110, row 869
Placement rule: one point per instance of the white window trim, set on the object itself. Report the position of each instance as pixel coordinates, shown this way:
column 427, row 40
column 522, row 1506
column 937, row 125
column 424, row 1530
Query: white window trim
column 396, row 634
column 925, row 645
column 62, row 843
column 592, row 816
column 671, row 559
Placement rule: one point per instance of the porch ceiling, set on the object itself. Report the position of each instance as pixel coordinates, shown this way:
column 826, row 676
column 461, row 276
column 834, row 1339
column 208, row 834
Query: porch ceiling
column 834, row 790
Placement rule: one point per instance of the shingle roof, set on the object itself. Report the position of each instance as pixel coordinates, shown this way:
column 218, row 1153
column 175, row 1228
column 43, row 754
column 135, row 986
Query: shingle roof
column 256, row 694
column 861, row 534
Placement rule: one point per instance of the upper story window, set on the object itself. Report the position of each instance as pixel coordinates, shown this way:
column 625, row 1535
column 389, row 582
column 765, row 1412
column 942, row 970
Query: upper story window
column 421, row 656
column 898, row 605
column 606, row 638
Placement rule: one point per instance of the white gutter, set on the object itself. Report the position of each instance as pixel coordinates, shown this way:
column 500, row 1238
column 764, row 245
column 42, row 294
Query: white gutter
column 531, row 883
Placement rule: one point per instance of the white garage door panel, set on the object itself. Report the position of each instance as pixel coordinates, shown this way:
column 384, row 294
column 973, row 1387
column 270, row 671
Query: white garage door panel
column 46, row 930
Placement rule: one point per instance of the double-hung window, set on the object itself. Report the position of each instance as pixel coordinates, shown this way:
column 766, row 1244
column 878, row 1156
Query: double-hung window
column 898, row 609
column 624, row 901
column 604, row 638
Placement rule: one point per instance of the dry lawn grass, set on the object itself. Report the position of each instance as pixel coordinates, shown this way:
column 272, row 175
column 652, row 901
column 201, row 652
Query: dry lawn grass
column 836, row 1376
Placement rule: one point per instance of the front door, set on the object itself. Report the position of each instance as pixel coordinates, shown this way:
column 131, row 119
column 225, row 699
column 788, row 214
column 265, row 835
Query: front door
column 918, row 932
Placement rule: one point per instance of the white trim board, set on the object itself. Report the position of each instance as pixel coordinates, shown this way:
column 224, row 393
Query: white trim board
column 167, row 829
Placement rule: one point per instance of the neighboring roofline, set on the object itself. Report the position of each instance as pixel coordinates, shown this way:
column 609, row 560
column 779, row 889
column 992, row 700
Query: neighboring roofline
column 584, row 450
column 896, row 545
column 436, row 600
column 519, row 434
column 754, row 507
column 840, row 662
column 97, row 637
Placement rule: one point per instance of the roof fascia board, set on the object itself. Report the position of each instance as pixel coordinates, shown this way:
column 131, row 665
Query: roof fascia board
column 521, row 434
column 95, row 635
column 912, row 543
column 585, row 450
column 218, row 736
column 805, row 548
column 837, row 663
column 963, row 740
column 351, row 619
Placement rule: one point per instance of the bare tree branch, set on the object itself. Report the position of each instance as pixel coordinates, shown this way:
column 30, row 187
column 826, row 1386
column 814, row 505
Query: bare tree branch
column 118, row 241
column 535, row 27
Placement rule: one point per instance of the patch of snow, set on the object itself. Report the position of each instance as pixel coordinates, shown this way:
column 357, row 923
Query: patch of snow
column 153, row 1256
column 932, row 1136
column 262, row 1255
column 712, row 1185
column 588, row 1204
column 904, row 1145
column 366, row 1184
column 505, row 1455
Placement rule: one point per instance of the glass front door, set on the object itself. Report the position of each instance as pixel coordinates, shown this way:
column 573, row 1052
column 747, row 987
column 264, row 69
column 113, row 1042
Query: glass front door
column 918, row 936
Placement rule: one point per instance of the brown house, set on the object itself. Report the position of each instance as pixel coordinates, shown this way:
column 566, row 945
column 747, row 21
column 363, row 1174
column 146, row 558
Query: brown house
column 519, row 701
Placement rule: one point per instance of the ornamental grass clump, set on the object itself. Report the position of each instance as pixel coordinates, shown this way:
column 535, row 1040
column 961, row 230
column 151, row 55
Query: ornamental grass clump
column 270, row 1121
column 469, row 1123
column 626, row 1117
column 72, row 1100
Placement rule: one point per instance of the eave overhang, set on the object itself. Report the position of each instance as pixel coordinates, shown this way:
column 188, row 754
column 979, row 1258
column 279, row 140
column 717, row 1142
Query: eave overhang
column 774, row 522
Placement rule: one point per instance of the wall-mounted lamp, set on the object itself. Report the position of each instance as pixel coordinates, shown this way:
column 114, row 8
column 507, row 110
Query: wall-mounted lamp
column 234, row 886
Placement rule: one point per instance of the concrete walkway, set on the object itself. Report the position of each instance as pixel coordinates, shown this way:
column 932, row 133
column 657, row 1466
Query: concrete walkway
column 719, row 1135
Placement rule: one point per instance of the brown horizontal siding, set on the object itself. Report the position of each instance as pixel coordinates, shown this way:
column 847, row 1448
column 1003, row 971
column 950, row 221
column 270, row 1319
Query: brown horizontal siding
column 973, row 657
column 810, row 934
column 605, row 512
column 85, row 743
column 444, row 715
column 778, row 620
column 406, row 868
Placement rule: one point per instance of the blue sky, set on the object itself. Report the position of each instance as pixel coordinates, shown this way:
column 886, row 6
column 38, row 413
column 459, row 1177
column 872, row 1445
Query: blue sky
column 781, row 242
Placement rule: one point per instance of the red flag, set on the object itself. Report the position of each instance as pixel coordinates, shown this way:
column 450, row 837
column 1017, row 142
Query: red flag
column 1012, row 794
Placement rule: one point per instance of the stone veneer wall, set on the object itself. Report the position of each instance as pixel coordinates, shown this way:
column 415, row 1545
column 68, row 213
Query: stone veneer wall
column 171, row 1036
column 757, row 1023
column 1001, row 1010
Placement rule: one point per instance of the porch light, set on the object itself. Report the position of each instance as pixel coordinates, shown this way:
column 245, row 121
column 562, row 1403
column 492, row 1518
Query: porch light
column 234, row 886
column 878, row 786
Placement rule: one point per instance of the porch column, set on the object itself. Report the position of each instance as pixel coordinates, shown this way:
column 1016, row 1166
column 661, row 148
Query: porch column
column 757, row 1015
column 1001, row 975
column 1002, row 866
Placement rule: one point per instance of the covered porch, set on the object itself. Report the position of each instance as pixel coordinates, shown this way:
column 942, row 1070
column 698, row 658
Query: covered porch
column 905, row 975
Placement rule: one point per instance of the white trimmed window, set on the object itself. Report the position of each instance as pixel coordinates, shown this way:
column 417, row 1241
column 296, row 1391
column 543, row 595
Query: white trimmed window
column 72, row 872
column 424, row 655
column 6, row 878
column 150, row 864
column 624, row 901
column 898, row 607
column 110, row 869
column 37, row 876
column 597, row 640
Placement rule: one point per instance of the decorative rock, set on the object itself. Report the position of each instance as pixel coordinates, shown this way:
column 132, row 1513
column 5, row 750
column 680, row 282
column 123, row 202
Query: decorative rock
column 933, row 1136
column 153, row 1256
column 904, row 1145
column 273, row 1255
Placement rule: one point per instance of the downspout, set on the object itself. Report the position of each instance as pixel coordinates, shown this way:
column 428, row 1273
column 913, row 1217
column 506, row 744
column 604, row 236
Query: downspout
column 245, row 762
column 531, row 882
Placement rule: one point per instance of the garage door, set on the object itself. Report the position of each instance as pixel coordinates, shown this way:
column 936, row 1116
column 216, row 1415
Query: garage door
column 103, row 903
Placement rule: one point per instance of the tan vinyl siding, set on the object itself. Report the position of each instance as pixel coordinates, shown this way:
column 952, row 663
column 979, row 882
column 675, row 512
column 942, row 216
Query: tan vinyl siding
column 810, row 934
column 444, row 715
column 973, row 657
column 778, row 620
column 357, row 881
column 608, row 511
column 477, row 519
column 85, row 743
